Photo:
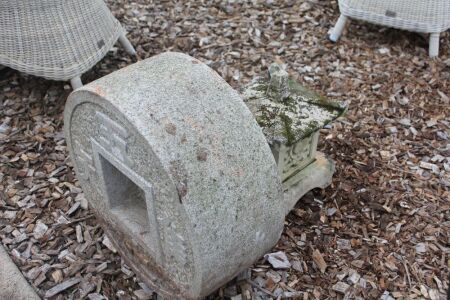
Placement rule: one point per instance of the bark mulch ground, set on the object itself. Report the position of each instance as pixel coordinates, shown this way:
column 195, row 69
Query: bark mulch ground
column 381, row 230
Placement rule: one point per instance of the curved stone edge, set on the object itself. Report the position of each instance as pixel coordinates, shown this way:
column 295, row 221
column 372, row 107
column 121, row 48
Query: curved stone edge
column 13, row 285
column 317, row 175
column 98, row 97
column 97, row 88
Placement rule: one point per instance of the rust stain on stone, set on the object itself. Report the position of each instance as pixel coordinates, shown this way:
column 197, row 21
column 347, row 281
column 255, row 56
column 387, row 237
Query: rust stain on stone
column 194, row 125
column 137, row 257
column 184, row 139
column 171, row 128
column 202, row 154
column 178, row 172
column 182, row 190
column 99, row 91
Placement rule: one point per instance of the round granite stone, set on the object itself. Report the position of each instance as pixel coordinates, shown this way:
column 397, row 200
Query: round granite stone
column 177, row 171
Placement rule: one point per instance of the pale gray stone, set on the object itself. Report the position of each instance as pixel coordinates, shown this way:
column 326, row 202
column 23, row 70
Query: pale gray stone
column 292, row 294
column 142, row 295
column 331, row 211
column 405, row 122
column 278, row 291
column 4, row 128
column 83, row 202
column 392, row 129
column 421, row 248
column 278, row 85
column 343, row 244
column 353, row 277
column 317, row 174
column 275, row 276
column 443, row 135
column 12, row 283
column 341, row 287
column 9, row 214
column 342, row 274
column 108, row 244
column 296, row 265
column 178, row 173
column 278, row 260
column 403, row 101
column 39, row 230
column 386, row 296
column 362, row 283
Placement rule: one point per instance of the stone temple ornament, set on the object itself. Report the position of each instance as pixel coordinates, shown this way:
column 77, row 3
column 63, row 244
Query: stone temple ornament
column 290, row 117
column 191, row 183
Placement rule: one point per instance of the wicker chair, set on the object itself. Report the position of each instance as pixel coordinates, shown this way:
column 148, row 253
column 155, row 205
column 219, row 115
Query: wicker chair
column 57, row 39
column 426, row 16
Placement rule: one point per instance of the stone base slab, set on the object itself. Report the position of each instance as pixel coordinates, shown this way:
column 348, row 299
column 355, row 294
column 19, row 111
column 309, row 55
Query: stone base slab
column 13, row 285
column 316, row 175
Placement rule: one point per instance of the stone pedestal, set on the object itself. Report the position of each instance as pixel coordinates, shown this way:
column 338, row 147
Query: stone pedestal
column 184, row 182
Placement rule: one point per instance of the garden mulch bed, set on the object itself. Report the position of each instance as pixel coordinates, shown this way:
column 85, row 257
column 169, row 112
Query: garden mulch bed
column 382, row 229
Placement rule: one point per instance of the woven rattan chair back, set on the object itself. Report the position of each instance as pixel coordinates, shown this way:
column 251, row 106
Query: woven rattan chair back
column 57, row 39
column 427, row 16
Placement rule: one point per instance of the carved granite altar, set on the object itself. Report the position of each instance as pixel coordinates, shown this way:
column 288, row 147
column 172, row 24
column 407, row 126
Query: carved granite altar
column 186, row 184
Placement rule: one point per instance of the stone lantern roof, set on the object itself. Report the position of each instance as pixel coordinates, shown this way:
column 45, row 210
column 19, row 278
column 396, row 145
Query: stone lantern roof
column 286, row 111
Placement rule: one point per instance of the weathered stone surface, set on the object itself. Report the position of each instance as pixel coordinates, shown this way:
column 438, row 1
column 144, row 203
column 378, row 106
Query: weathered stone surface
column 13, row 285
column 178, row 172
column 291, row 117
column 299, row 113
column 318, row 174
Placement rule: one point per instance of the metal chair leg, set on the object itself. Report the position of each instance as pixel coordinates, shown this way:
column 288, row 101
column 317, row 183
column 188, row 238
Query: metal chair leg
column 126, row 44
column 434, row 44
column 76, row 82
column 338, row 28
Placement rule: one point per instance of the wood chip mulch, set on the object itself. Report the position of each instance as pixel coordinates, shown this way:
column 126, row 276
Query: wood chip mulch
column 380, row 231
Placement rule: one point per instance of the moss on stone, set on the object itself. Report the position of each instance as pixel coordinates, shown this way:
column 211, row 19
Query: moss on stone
column 288, row 131
column 293, row 118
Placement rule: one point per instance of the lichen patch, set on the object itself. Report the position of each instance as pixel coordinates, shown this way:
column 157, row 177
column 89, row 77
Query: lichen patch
column 296, row 116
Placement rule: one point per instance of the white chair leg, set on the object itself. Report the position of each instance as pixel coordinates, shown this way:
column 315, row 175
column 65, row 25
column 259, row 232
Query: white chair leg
column 338, row 28
column 434, row 44
column 126, row 44
column 76, row 82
